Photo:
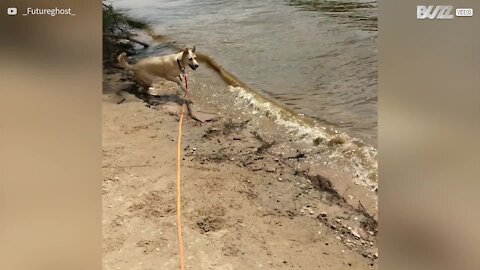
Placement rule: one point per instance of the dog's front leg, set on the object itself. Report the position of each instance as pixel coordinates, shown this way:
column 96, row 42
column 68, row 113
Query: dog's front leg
column 180, row 83
column 186, row 98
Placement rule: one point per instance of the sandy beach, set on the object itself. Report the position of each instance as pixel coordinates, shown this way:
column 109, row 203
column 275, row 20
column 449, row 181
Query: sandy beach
column 247, row 203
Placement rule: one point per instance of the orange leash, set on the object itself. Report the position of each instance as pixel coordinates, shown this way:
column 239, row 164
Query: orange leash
column 179, row 213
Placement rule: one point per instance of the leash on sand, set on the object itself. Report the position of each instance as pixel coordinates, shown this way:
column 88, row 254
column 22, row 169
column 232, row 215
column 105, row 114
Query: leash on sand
column 179, row 213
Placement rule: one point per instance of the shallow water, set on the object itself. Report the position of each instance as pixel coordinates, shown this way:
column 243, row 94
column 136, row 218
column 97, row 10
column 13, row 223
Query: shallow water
column 318, row 58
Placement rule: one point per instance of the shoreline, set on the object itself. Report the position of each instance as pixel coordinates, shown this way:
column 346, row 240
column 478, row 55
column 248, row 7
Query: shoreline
column 285, row 113
column 252, row 198
column 338, row 148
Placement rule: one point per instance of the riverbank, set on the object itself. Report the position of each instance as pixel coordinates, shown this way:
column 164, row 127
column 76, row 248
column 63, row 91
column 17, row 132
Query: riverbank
column 253, row 198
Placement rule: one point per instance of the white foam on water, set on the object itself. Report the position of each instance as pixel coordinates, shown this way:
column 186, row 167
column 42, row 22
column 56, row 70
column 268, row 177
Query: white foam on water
column 353, row 156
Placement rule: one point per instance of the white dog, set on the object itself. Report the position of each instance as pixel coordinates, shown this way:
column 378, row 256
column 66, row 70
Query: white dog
column 169, row 67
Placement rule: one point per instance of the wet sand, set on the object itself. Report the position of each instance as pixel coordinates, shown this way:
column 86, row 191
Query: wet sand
column 247, row 203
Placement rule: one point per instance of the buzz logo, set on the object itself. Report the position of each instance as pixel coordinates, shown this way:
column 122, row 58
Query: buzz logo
column 434, row 12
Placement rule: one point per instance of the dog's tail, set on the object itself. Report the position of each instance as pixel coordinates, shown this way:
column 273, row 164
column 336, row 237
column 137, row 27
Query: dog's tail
column 123, row 62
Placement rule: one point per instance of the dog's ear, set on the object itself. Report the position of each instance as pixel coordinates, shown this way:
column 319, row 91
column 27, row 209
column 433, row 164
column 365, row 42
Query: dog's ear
column 185, row 52
column 194, row 48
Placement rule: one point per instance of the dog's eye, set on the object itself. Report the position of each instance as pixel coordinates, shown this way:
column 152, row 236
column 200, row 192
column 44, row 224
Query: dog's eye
column 190, row 58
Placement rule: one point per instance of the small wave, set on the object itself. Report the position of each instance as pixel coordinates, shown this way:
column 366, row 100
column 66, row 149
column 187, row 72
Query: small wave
column 347, row 152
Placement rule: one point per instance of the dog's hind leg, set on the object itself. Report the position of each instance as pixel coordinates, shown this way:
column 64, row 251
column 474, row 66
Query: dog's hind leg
column 144, row 80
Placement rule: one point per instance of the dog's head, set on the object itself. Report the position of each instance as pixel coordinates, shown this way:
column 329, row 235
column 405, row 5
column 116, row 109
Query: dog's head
column 189, row 57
